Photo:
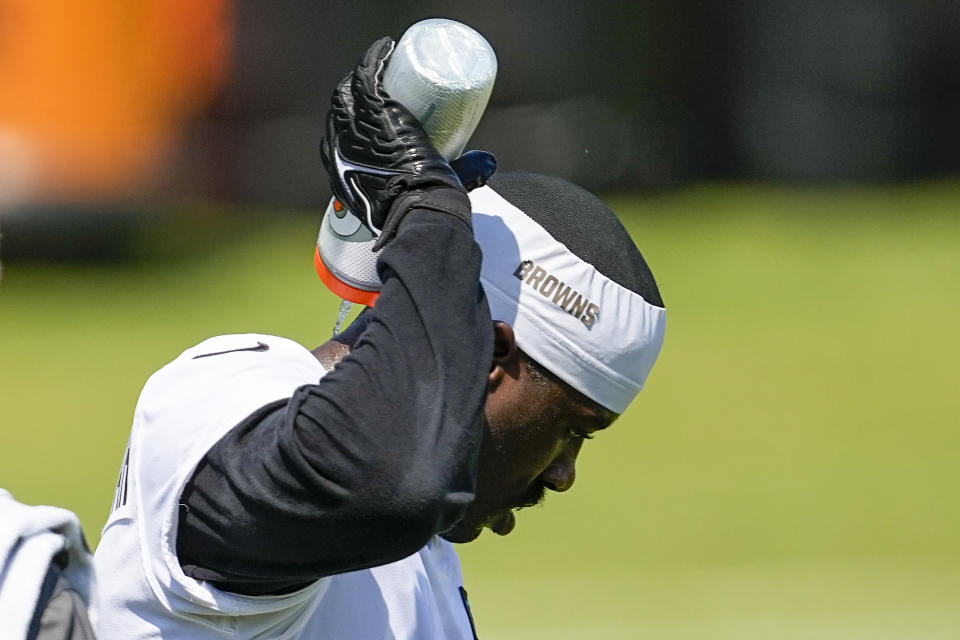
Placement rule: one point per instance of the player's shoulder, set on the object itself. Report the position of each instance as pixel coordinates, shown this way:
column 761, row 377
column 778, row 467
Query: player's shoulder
column 229, row 360
column 246, row 343
column 233, row 350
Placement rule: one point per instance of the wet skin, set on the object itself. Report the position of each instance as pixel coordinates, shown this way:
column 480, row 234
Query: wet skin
column 535, row 428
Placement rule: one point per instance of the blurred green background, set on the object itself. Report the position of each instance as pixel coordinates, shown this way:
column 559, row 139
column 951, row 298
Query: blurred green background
column 790, row 470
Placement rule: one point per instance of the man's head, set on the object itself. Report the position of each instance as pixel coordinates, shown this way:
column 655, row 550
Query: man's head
column 578, row 323
column 573, row 289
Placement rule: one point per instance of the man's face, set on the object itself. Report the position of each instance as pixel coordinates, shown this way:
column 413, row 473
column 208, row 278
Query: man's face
column 535, row 428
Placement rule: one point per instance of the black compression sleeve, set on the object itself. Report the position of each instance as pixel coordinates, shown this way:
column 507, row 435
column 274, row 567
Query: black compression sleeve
column 363, row 467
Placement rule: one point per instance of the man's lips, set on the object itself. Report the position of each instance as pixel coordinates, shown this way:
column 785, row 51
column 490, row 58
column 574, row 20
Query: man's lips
column 504, row 522
column 534, row 496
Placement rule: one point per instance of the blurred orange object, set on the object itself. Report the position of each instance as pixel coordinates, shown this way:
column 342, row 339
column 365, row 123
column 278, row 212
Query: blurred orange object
column 93, row 92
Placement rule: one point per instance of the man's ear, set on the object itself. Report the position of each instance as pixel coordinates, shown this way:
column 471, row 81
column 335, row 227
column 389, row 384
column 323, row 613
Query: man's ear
column 506, row 354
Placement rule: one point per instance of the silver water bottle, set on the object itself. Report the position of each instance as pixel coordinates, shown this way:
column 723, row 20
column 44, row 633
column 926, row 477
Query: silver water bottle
column 443, row 72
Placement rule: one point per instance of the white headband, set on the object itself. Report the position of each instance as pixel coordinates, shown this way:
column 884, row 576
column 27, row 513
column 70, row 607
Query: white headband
column 597, row 336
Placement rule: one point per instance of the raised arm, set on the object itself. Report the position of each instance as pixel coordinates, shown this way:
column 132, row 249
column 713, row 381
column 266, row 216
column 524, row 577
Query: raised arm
column 365, row 466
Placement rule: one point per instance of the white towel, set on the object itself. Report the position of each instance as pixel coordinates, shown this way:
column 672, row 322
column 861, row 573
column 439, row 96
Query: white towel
column 29, row 539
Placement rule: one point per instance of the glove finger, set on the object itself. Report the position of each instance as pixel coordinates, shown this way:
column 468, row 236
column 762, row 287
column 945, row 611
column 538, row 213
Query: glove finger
column 341, row 130
column 368, row 75
column 343, row 96
column 474, row 168
column 341, row 105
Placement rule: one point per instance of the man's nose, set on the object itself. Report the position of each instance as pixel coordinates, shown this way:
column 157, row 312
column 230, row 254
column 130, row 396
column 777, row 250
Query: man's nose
column 561, row 473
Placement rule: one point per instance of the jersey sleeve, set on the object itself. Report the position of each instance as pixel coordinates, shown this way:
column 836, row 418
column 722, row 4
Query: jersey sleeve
column 183, row 410
column 362, row 468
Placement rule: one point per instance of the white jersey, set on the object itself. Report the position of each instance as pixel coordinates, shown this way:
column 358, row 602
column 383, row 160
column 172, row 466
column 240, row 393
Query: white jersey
column 184, row 409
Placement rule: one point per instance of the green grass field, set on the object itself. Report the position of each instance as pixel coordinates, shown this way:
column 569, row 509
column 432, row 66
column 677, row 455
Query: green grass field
column 791, row 470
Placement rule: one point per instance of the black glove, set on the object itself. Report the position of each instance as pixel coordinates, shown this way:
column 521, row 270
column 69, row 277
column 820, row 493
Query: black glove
column 379, row 160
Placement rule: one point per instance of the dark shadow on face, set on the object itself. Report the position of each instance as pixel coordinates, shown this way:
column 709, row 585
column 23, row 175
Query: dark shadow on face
column 536, row 425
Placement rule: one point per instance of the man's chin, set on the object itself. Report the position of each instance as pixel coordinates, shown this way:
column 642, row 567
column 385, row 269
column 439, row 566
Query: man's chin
column 459, row 535
column 501, row 524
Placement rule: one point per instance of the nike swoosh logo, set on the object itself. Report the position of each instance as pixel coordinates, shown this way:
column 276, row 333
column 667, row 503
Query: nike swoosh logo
column 260, row 347
column 346, row 170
